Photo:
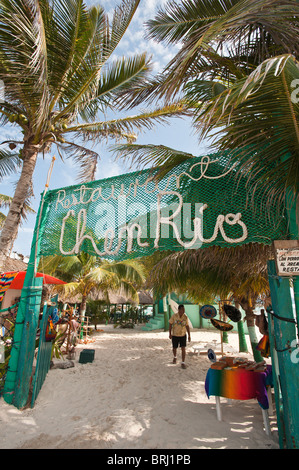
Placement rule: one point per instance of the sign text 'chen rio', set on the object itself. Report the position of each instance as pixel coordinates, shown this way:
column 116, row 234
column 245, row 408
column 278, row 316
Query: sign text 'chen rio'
column 203, row 201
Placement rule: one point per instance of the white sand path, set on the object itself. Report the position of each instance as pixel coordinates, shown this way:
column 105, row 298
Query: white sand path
column 133, row 397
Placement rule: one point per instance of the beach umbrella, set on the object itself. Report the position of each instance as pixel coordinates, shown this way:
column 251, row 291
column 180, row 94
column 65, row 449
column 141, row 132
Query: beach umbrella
column 15, row 280
column 208, row 312
column 232, row 312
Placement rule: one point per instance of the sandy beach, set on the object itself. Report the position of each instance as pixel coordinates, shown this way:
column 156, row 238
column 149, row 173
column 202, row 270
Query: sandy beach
column 133, row 397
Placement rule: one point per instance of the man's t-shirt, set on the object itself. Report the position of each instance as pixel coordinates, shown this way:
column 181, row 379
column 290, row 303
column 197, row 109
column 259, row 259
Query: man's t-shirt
column 178, row 324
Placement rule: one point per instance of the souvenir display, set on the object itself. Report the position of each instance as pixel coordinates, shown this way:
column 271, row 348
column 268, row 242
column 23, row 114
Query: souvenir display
column 211, row 355
column 221, row 325
column 232, row 312
column 208, row 312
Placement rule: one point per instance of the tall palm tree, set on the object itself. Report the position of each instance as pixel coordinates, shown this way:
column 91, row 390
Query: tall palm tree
column 60, row 79
column 86, row 275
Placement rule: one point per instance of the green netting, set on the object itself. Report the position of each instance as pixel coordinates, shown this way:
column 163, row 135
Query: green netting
column 199, row 203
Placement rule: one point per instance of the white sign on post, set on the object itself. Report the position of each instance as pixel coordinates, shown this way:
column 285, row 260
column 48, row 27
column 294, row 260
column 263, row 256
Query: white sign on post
column 287, row 257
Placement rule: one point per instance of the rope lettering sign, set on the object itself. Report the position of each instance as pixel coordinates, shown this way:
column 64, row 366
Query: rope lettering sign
column 287, row 257
column 199, row 203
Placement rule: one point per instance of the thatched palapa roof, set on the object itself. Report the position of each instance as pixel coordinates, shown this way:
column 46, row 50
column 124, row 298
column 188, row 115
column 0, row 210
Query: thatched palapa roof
column 145, row 298
column 14, row 265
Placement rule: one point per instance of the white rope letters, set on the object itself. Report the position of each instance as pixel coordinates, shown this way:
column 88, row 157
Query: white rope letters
column 112, row 238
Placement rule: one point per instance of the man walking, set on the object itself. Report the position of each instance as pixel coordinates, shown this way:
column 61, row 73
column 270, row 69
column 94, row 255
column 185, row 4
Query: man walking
column 178, row 326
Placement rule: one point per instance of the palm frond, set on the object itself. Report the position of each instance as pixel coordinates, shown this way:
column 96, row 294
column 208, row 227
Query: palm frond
column 87, row 274
column 258, row 116
column 5, row 200
column 84, row 157
column 198, row 91
column 122, row 17
column 78, row 36
column 117, row 85
column 86, row 84
column 212, row 271
column 65, row 267
column 122, row 76
column 243, row 33
column 9, row 163
column 71, row 288
column 23, row 54
column 127, row 125
column 160, row 157
column 178, row 20
column 128, row 290
column 130, row 270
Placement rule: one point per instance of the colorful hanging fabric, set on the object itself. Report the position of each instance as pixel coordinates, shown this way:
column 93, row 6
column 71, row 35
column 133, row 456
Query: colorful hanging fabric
column 240, row 384
column 51, row 333
column 264, row 346
column 5, row 282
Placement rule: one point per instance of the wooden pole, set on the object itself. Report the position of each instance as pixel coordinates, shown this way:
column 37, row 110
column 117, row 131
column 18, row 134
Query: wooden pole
column 69, row 332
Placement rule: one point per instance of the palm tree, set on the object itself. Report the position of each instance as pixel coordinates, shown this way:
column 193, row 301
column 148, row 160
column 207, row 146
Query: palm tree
column 60, row 82
column 258, row 116
column 88, row 275
column 237, row 69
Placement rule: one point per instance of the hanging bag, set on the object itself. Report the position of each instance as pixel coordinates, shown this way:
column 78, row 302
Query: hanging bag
column 50, row 331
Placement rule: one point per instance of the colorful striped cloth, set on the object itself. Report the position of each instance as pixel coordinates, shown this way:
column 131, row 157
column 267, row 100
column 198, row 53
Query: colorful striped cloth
column 5, row 281
column 240, row 384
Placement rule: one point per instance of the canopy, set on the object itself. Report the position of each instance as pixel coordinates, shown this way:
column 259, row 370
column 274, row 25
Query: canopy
column 19, row 277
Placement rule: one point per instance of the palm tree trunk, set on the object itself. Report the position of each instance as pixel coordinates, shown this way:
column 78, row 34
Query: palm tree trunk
column 241, row 333
column 247, row 306
column 83, row 307
column 82, row 314
column 13, row 219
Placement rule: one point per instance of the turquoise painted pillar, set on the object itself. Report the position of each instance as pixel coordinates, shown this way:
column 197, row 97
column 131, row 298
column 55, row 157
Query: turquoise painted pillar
column 282, row 333
column 242, row 339
column 26, row 356
column 293, row 216
column 21, row 360
column 284, row 340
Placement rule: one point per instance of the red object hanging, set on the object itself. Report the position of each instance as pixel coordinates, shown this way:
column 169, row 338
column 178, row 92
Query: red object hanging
column 18, row 281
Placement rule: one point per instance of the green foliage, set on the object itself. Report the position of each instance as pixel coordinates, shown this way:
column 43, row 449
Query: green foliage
column 66, row 73
column 237, row 67
column 96, row 312
column 4, row 367
column 128, row 319
column 62, row 76
column 87, row 275
column 56, row 347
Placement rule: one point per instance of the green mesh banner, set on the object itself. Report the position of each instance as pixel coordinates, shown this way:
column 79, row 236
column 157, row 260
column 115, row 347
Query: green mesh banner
column 199, row 203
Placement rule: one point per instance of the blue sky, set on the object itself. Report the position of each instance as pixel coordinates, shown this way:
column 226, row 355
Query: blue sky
column 177, row 134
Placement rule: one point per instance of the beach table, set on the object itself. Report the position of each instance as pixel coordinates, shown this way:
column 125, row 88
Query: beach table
column 241, row 384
